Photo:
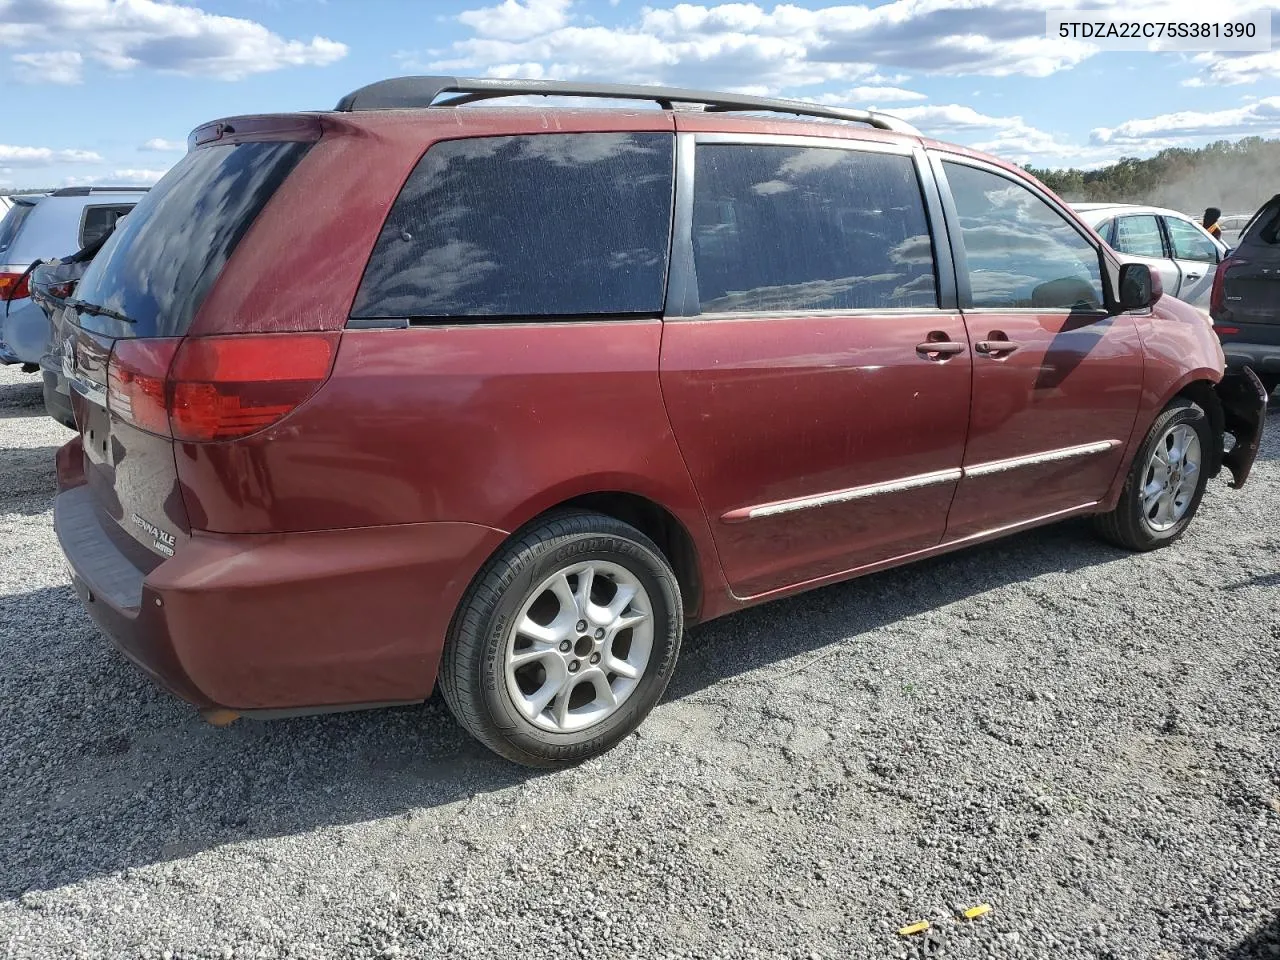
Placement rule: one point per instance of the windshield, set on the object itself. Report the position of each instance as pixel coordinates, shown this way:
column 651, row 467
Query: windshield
column 162, row 259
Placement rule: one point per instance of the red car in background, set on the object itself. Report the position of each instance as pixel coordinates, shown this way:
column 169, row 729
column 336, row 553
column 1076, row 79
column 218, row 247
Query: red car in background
column 420, row 390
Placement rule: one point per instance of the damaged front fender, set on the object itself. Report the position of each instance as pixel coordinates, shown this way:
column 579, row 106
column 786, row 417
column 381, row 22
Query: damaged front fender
column 1244, row 411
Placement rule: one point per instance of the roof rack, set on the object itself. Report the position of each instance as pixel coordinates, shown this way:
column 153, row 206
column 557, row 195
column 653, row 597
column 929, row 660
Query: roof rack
column 88, row 191
column 420, row 92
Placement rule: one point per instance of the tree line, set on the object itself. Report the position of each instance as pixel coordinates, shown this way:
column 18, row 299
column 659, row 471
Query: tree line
column 1236, row 177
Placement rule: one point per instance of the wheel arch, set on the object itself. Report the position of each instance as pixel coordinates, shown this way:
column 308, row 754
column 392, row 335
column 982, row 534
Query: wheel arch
column 1204, row 395
column 657, row 523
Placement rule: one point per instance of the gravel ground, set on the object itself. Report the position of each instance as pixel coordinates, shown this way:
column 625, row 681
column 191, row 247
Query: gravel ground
column 1084, row 739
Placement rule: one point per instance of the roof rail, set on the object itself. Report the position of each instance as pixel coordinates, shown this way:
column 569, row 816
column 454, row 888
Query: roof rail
column 87, row 191
column 419, row 92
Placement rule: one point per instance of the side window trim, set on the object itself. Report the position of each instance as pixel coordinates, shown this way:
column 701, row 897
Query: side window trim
column 682, row 301
column 362, row 321
column 964, row 288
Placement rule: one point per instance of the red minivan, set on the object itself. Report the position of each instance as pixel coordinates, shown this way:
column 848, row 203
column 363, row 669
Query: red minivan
column 507, row 397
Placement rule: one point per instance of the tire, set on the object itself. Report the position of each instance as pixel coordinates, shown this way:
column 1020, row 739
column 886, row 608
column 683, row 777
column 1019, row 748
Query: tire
column 494, row 673
column 1131, row 526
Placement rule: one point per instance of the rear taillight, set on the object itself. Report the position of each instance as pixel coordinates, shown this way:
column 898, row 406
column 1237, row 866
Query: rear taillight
column 227, row 387
column 137, row 382
column 14, row 286
column 1218, row 295
column 200, row 389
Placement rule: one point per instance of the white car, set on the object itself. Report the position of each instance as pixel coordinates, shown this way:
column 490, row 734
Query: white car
column 1172, row 244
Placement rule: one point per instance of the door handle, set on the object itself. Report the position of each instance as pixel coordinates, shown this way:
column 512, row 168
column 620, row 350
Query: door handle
column 996, row 348
column 1194, row 276
column 940, row 348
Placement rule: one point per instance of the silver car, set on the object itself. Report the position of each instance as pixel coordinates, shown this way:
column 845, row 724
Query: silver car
column 46, row 227
column 1172, row 244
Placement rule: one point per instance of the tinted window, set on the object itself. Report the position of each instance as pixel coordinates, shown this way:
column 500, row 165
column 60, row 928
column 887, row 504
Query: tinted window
column 1189, row 243
column 100, row 221
column 1020, row 251
column 11, row 223
column 1139, row 236
column 796, row 228
column 158, row 266
column 554, row 224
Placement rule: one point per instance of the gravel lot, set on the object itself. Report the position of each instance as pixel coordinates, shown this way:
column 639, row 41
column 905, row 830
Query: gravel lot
column 1088, row 741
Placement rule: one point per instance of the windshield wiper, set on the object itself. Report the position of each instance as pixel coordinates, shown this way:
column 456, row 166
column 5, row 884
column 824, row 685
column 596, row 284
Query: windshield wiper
column 95, row 310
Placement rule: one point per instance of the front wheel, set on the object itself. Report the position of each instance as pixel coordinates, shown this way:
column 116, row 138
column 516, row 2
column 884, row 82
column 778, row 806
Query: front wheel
column 1165, row 482
column 565, row 642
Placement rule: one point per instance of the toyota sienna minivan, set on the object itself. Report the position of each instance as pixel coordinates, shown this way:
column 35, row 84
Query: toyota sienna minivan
column 432, row 389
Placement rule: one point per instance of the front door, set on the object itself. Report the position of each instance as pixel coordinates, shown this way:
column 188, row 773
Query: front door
column 818, row 391
column 1056, row 378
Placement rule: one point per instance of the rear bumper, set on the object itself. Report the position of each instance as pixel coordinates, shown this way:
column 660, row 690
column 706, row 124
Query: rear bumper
column 1262, row 357
column 1244, row 408
column 295, row 621
column 57, row 400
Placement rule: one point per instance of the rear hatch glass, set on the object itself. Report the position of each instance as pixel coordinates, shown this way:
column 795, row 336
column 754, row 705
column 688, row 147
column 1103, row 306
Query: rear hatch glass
column 137, row 299
column 10, row 224
column 164, row 256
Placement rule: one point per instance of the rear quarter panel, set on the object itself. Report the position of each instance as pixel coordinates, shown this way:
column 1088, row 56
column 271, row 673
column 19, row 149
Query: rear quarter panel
column 480, row 424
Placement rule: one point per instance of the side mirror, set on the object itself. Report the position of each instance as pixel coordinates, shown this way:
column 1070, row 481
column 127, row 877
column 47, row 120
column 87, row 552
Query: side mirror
column 1139, row 287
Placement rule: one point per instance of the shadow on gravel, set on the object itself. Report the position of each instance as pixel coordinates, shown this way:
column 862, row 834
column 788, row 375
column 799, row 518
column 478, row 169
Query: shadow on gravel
column 29, row 479
column 102, row 771
column 1262, row 944
column 22, row 399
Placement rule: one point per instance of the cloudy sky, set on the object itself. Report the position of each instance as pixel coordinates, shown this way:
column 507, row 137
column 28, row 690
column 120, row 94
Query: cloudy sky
column 105, row 91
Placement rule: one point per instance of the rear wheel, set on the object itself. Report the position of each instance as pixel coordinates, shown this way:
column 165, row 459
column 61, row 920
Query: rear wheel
column 565, row 642
column 1165, row 482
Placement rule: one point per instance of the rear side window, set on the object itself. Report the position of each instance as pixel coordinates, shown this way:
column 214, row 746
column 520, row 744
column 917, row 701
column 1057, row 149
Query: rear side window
column 1021, row 252
column 1140, row 236
column 158, row 266
column 100, row 221
column 527, row 226
column 12, row 223
column 784, row 229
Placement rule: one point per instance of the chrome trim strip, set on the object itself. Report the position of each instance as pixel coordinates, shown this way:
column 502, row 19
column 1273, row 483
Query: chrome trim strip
column 1034, row 459
column 917, row 481
column 843, row 496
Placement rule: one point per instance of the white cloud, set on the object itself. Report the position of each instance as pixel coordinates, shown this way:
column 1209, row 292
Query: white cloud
column 516, row 20
column 1260, row 118
column 1010, row 138
column 58, row 67
column 131, row 175
column 170, row 37
column 123, row 178
column 161, row 145
column 40, row 156
column 746, row 47
column 870, row 96
column 1228, row 70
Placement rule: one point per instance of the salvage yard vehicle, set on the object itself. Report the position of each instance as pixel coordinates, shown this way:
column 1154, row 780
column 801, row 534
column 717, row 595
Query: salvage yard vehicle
column 1179, row 249
column 41, row 228
column 52, row 285
column 1245, row 306
column 549, row 385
